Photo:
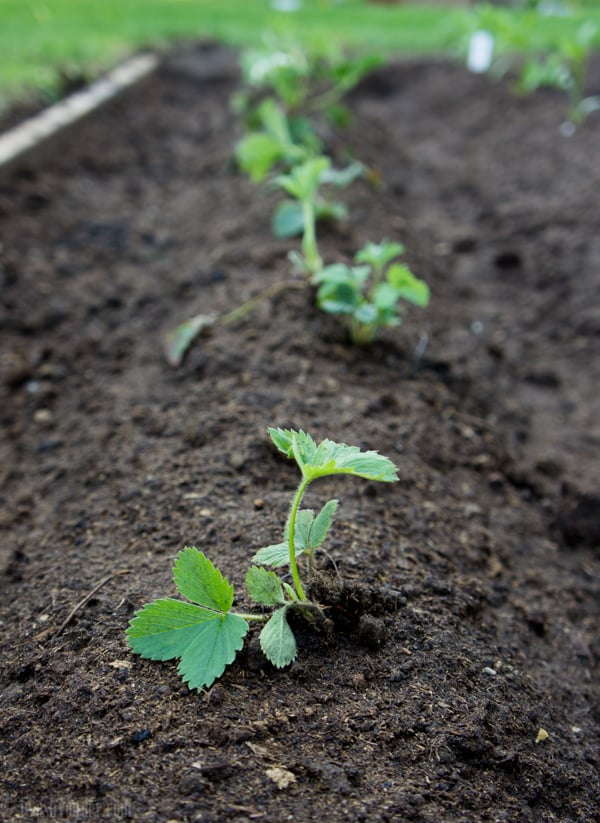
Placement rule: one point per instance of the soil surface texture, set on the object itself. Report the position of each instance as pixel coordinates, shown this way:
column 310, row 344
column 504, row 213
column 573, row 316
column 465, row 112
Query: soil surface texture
column 460, row 682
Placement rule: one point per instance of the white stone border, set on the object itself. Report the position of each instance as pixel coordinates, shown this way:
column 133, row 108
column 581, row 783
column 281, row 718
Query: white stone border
column 29, row 135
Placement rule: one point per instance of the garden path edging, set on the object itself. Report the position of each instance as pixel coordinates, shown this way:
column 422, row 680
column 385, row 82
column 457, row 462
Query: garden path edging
column 26, row 140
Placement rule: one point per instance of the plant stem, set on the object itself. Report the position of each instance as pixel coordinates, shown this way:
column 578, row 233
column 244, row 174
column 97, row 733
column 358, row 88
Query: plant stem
column 291, row 538
column 377, row 278
column 309, row 239
column 249, row 306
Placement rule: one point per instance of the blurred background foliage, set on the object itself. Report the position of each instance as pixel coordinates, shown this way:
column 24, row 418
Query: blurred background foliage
column 49, row 46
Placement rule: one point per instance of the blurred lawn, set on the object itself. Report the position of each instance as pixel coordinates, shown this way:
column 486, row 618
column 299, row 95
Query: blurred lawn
column 42, row 40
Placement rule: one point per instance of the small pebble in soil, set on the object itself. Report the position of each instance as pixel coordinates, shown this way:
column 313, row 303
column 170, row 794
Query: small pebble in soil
column 42, row 416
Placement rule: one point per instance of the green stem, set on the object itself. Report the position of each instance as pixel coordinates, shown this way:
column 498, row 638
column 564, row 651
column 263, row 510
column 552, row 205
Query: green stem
column 377, row 278
column 261, row 617
column 265, row 294
column 291, row 539
column 309, row 239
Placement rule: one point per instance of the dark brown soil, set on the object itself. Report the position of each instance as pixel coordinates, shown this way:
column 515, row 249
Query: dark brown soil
column 479, row 569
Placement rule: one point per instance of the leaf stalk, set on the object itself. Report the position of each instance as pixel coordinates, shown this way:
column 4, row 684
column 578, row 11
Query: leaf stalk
column 291, row 539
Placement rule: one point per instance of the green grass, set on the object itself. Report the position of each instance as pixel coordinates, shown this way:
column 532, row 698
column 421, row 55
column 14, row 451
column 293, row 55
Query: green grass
column 39, row 38
column 42, row 39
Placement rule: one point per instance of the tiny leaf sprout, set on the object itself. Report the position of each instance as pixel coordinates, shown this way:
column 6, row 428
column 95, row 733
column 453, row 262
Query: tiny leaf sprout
column 368, row 295
column 203, row 632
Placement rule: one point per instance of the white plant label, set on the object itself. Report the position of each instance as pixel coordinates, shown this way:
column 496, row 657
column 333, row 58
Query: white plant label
column 481, row 52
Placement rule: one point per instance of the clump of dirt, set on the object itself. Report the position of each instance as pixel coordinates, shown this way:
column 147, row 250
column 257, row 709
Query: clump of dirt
column 460, row 681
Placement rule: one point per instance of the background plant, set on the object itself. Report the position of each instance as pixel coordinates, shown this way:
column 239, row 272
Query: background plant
column 204, row 634
column 289, row 216
column 302, row 183
column 559, row 60
column 37, row 41
column 369, row 294
column 310, row 81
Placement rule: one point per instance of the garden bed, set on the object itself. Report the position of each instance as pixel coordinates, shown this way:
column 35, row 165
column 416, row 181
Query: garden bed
column 480, row 565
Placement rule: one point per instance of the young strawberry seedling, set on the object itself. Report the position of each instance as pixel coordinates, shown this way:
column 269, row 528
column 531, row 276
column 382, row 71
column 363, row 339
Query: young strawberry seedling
column 205, row 634
column 300, row 215
column 288, row 220
column 302, row 183
column 368, row 295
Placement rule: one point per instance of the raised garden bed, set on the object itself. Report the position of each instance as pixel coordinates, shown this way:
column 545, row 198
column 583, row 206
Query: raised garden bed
column 480, row 566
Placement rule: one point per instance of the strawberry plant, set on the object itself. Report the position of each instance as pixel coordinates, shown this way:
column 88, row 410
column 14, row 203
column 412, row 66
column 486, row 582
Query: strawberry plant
column 302, row 183
column 368, row 295
column 289, row 216
column 205, row 634
column 300, row 214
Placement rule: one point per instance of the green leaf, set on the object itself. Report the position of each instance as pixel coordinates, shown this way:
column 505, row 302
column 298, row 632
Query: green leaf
column 303, row 180
column 385, row 296
column 164, row 629
column 178, row 341
column 288, row 220
column 330, row 210
column 264, row 587
column 297, row 444
column 213, row 647
column 340, row 289
column 342, row 177
column 304, row 521
column 379, row 254
column 282, row 439
column 366, row 313
column 321, row 524
column 338, row 458
column 290, row 591
column 204, row 637
column 274, row 120
column 332, row 458
column 335, row 306
column 408, row 286
column 339, row 273
column 276, row 555
column 277, row 640
column 197, row 579
column 257, row 153
column 303, row 134
column 204, row 642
